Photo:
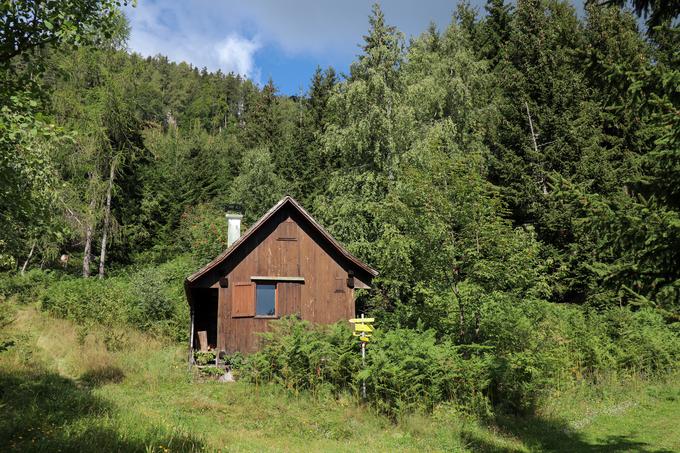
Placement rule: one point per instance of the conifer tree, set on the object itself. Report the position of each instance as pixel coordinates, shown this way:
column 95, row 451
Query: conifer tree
column 258, row 186
column 320, row 90
column 494, row 30
column 261, row 127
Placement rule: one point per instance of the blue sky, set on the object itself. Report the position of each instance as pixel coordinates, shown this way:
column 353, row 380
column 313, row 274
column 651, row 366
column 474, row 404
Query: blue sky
column 284, row 40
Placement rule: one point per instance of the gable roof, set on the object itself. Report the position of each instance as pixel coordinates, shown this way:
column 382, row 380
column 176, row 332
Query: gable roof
column 285, row 201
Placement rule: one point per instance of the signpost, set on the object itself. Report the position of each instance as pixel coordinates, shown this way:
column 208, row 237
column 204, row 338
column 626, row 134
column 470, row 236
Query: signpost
column 363, row 329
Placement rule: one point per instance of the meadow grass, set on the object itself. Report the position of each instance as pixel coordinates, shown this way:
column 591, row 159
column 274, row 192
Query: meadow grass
column 63, row 389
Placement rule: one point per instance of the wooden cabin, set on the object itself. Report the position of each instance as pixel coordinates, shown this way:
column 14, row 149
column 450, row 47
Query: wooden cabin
column 285, row 264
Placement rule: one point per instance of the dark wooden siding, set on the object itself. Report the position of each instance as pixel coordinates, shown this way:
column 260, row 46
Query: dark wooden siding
column 286, row 249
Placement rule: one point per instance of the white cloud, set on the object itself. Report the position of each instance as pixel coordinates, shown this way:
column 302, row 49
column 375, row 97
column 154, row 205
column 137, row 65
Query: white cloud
column 219, row 34
column 193, row 29
column 319, row 27
column 194, row 33
column 236, row 54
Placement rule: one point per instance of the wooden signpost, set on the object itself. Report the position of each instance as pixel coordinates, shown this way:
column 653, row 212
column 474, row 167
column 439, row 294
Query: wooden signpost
column 363, row 329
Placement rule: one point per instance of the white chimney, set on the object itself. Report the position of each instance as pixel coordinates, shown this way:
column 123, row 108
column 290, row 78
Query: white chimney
column 233, row 228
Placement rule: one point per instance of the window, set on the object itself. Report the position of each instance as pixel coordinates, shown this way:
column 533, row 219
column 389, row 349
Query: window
column 265, row 299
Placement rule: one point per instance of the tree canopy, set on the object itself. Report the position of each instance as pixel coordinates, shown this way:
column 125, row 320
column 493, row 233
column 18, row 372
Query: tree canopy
column 528, row 153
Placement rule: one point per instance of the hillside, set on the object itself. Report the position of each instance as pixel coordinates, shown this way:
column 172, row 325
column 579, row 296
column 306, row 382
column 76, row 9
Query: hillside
column 513, row 175
column 59, row 392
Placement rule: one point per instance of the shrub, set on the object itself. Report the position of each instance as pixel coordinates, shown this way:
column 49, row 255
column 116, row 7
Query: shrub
column 533, row 352
column 540, row 346
column 151, row 299
column 106, row 302
column 26, row 287
column 235, row 361
column 159, row 301
column 408, row 370
column 7, row 317
column 299, row 356
column 211, row 371
column 644, row 343
column 204, row 357
column 7, row 314
column 405, row 370
column 524, row 351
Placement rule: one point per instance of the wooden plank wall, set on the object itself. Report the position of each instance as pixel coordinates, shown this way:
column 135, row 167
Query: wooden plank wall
column 287, row 249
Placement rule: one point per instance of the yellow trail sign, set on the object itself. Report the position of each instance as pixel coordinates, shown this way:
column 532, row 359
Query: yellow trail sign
column 362, row 320
column 363, row 328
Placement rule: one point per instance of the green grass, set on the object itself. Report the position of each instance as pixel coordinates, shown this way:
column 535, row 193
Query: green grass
column 630, row 416
column 62, row 390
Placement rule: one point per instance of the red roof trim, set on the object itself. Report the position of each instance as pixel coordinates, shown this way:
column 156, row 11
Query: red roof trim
column 256, row 226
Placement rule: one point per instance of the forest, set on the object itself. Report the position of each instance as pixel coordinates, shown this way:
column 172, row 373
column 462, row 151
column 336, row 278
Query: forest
column 514, row 177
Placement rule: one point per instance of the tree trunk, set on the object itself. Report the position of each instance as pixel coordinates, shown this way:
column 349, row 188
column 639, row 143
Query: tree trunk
column 107, row 219
column 89, row 231
column 533, row 140
column 531, row 126
column 461, row 314
column 461, row 306
column 30, row 254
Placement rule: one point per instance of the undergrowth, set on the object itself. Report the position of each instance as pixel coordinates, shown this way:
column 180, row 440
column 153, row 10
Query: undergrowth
column 58, row 393
column 525, row 354
column 521, row 352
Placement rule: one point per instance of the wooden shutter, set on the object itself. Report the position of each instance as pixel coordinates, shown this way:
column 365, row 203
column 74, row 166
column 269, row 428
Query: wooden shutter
column 288, row 298
column 243, row 300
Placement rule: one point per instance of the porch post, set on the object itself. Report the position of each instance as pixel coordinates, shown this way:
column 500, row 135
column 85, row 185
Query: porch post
column 191, row 336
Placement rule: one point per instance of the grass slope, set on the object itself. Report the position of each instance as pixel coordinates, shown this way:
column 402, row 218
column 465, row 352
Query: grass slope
column 62, row 390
